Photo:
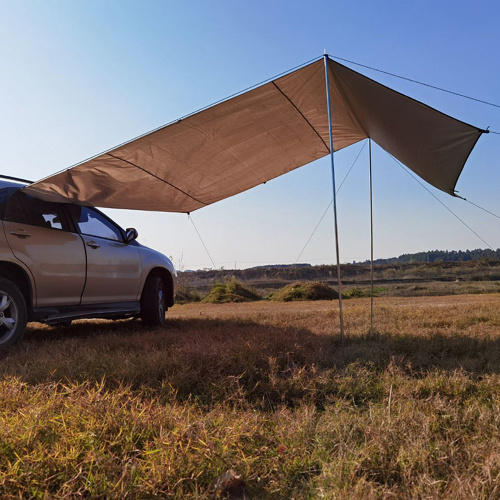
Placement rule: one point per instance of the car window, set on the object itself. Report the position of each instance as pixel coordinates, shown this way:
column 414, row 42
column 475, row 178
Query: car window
column 27, row 210
column 3, row 197
column 93, row 223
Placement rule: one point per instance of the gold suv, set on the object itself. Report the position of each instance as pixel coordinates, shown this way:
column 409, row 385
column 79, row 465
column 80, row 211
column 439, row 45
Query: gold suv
column 60, row 261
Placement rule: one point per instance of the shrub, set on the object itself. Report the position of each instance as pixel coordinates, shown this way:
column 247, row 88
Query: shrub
column 356, row 293
column 230, row 292
column 187, row 294
column 363, row 293
column 304, row 291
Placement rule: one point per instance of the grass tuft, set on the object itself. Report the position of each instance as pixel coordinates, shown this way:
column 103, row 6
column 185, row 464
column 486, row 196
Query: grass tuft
column 305, row 290
column 233, row 291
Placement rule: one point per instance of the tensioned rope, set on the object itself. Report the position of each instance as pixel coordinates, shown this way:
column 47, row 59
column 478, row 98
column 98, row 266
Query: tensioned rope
column 481, row 208
column 442, row 203
column 435, row 87
column 330, row 204
column 420, row 83
column 201, row 239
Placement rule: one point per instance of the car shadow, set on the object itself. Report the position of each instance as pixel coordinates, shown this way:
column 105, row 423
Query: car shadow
column 222, row 359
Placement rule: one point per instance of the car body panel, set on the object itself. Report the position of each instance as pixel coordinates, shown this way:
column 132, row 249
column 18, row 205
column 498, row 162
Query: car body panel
column 114, row 272
column 55, row 258
column 7, row 256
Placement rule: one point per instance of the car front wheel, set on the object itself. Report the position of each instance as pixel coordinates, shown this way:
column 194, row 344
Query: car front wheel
column 153, row 304
column 13, row 314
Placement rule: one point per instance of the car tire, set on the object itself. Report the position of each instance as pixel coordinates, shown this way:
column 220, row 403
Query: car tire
column 13, row 314
column 153, row 305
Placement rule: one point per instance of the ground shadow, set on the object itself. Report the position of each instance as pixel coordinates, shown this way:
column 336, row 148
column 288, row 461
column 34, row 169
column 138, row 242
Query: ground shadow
column 242, row 360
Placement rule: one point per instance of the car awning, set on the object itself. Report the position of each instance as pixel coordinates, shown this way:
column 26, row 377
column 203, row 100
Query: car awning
column 262, row 134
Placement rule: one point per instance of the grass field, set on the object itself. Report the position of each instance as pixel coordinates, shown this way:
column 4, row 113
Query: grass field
column 103, row 409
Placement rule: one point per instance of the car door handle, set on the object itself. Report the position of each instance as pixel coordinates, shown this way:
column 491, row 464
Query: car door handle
column 21, row 233
column 93, row 244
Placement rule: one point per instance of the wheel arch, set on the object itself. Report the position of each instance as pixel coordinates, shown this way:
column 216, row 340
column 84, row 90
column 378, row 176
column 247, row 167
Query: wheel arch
column 20, row 278
column 168, row 282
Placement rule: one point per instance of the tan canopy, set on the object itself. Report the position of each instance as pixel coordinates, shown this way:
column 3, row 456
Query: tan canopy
column 261, row 134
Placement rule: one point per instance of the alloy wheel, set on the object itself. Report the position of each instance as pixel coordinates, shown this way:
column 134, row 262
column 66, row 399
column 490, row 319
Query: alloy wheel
column 9, row 316
column 161, row 307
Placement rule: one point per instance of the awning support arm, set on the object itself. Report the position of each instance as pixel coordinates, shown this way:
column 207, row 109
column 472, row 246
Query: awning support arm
column 339, row 283
column 371, row 236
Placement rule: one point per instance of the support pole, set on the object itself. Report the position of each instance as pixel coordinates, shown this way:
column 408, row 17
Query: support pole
column 341, row 314
column 371, row 236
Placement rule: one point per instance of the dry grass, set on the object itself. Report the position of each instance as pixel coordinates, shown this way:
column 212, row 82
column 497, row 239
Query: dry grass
column 104, row 409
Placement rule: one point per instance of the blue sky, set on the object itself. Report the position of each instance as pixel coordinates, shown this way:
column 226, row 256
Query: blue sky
column 79, row 77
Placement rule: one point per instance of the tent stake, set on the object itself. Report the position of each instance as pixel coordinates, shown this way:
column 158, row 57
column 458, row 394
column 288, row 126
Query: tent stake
column 371, row 236
column 341, row 314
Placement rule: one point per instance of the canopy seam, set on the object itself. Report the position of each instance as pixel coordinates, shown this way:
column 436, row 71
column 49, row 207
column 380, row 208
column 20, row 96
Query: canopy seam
column 177, row 120
column 156, row 177
column 301, row 114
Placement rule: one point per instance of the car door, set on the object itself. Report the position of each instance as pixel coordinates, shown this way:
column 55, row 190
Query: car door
column 41, row 236
column 113, row 266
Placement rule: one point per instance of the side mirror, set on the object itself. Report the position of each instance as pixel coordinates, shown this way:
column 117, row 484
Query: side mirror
column 131, row 234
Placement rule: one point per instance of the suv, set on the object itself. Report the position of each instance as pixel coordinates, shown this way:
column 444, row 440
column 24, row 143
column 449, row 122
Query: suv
column 61, row 261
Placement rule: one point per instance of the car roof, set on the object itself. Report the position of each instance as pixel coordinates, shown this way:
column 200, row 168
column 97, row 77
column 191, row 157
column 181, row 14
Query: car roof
column 12, row 184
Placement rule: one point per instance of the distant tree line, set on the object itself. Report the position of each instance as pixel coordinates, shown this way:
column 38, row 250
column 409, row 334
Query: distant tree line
column 355, row 270
column 441, row 256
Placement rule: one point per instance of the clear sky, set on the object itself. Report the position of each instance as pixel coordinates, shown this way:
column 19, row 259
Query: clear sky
column 78, row 77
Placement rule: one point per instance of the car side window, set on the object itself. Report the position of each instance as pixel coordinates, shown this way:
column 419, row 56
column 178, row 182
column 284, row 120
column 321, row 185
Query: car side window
column 27, row 210
column 92, row 223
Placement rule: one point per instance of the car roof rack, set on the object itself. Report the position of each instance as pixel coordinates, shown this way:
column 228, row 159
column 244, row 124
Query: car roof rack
column 9, row 178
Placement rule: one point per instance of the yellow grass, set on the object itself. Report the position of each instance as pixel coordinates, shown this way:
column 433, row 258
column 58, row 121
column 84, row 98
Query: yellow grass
column 103, row 409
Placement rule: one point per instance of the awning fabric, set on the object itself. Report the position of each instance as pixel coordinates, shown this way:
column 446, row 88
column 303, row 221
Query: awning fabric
column 262, row 134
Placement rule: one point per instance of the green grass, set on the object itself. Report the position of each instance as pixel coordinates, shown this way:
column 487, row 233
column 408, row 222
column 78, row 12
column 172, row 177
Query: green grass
column 108, row 410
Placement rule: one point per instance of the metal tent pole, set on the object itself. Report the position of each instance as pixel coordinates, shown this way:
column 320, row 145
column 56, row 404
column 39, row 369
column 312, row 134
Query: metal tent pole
column 371, row 235
column 341, row 314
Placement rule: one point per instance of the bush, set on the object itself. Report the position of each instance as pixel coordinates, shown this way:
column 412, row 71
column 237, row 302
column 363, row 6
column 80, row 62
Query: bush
column 233, row 291
column 187, row 294
column 356, row 293
column 304, row 291
column 363, row 293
